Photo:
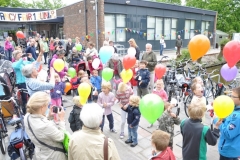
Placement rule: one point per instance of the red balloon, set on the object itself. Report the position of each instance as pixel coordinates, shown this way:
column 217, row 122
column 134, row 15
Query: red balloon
column 231, row 53
column 160, row 70
column 20, row 34
column 128, row 62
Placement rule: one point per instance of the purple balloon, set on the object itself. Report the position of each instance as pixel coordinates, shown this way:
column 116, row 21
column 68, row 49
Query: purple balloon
column 228, row 73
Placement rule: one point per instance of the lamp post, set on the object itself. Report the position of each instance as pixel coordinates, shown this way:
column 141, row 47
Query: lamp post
column 96, row 14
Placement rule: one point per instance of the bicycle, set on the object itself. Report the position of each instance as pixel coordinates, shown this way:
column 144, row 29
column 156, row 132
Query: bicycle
column 3, row 131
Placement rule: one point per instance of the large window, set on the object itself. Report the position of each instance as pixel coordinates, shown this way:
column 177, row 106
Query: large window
column 110, row 26
column 121, row 24
column 173, row 29
column 167, row 28
column 116, row 32
column 150, row 27
column 159, row 28
column 189, row 29
column 205, row 27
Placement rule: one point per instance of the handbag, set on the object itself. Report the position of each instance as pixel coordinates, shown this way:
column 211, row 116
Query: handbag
column 44, row 144
column 164, row 45
column 105, row 149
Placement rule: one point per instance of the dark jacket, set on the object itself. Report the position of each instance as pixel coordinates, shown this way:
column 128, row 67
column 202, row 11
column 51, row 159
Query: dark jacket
column 74, row 119
column 32, row 50
column 151, row 58
column 178, row 43
column 137, row 53
column 143, row 75
column 111, row 65
column 134, row 115
column 68, row 48
column 1, row 50
column 57, row 91
column 195, row 139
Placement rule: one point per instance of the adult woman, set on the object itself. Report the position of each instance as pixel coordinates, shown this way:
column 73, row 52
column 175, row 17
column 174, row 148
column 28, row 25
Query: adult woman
column 77, row 41
column 91, row 51
column 89, row 142
column 37, row 45
column 8, row 49
column 40, row 129
column 133, row 44
column 20, row 79
column 45, row 49
column 162, row 44
column 51, row 47
column 59, row 55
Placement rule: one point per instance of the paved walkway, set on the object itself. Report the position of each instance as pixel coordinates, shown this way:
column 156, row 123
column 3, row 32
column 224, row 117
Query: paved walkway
column 143, row 150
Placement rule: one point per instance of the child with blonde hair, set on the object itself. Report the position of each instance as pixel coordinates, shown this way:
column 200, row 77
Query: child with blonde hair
column 58, row 90
column 133, row 119
column 159, row 90
column 167, row 121
column 123, row 94
column 106, row 100
column 75, row 81
column 74, row 116
column 198, row 92
column 195, row 134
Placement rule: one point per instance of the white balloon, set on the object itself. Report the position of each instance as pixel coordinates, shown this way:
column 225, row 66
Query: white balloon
column 96, row 63
column 131, row 51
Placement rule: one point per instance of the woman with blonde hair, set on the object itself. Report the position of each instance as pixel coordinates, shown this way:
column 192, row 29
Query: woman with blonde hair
column 77, row 41
column 133, row 44
column 123, row 94
column 44, row 133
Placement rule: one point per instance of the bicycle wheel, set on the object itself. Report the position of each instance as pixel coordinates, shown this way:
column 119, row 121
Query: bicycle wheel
column 187, row 103
column 2, row 143
column 22, row 155
column 209, row 88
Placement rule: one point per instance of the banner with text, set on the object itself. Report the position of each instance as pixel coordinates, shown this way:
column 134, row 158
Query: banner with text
column 27, row 16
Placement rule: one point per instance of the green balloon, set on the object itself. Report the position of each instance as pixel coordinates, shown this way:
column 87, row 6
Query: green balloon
column 71, row 72
column 79, row 47
column 151, row 107
column 107, row 74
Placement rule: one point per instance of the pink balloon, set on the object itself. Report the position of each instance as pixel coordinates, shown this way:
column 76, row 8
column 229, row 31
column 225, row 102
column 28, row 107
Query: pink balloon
column 96, row 63
column 131, row 51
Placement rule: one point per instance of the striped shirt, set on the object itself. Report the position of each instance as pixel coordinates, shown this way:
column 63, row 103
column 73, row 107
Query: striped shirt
column 123, row 97
column 35, row 85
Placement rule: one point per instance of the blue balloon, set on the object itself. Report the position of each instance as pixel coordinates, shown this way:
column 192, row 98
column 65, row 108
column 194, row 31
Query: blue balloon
column 105, row 53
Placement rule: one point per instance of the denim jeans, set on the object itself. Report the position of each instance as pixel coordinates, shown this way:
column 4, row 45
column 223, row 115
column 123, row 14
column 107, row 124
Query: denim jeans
column 132, row 134
column 8, row 55
column 226, row 158
column 23, row 95
column 110, row 120
column 45, row 56
column 161, row 49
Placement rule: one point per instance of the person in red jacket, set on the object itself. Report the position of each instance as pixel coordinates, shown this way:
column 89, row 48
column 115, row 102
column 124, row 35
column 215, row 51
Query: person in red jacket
column 100, row 67
column 161, row 151
column 133, row 81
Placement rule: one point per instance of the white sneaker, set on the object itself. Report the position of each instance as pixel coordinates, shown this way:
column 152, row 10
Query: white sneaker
column 121, row 135
column 113, row 130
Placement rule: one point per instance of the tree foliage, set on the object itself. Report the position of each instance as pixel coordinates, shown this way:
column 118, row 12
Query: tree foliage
column 40, row 4
column 228, row 12
column 170, row 1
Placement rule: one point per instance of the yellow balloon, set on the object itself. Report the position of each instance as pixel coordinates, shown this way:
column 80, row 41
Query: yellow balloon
column 223, row 106
column 126, row 75
column 83, row 100
column 84, row 90
column 58, row 65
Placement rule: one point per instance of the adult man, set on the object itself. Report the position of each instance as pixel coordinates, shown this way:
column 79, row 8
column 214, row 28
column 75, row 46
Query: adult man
column 32, row 83
column 178, row 45
column 31, row 48
column 69, row 47
column 151, row 59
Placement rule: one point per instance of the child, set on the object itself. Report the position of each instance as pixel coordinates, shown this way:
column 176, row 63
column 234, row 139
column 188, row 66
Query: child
column 91, row 69
column 74, row 117
column 197, row 90
column 133, row 81
column 161, row 151
column 167, row 121
column 133, row 120
column 85, row 79
column 106, row 100
column 96, row 81
column 198, row 80
column 195, row 134
column 143, row 78
column 160, row 90
column 229, row 142
column 56, row 93
column 75, row 81
column 123, row 94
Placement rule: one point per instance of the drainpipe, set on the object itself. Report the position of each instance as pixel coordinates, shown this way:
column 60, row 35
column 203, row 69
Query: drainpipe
column 96, row 9
column 85, row 16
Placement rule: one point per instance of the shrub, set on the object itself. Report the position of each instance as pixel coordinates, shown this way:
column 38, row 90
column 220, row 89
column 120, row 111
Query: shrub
column 224, row 42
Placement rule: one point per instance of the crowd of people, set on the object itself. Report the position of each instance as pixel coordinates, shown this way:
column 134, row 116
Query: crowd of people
column 87, row 121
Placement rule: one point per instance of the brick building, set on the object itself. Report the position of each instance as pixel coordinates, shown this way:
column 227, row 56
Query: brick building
column 145, row 21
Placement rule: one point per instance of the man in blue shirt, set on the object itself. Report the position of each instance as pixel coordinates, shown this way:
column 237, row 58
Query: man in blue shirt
column 31, row 49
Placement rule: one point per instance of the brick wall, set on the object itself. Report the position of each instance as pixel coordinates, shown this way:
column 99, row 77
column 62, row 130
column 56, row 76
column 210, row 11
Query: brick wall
column 74, row 21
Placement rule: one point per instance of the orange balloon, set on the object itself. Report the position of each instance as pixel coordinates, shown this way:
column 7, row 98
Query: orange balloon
column 198, row 46
column 68, row 86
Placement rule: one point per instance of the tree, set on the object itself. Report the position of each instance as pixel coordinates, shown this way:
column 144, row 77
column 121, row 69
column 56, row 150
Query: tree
column 170, row 1
column 228, row 12
column 13, row 3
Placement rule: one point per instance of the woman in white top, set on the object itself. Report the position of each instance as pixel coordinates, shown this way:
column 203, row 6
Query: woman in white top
column 162, row 44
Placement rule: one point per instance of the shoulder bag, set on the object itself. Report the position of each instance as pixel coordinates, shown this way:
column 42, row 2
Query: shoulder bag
column 44, row 144
column 105, row 149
